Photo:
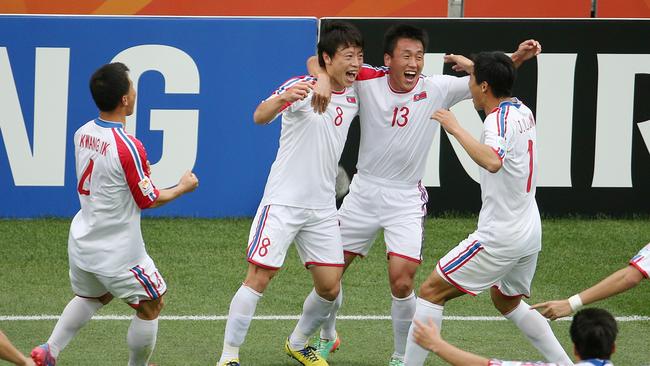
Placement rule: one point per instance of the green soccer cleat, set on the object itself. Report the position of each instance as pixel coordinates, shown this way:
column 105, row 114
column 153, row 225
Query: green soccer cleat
column 325, row 346
column 230, row 362
column 307, row 356
column 394, row 361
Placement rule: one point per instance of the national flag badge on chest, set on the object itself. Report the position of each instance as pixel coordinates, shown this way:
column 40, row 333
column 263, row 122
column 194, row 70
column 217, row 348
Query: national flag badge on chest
column 351, row 99
column 420, row 96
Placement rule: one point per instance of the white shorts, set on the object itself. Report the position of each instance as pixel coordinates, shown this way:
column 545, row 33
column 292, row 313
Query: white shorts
column 641, row 261
column 374, row 203
column 315, row 232
column 471, row 269
column 141, row 282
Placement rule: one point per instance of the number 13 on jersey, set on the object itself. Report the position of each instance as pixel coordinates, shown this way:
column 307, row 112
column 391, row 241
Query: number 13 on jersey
column 400, row 117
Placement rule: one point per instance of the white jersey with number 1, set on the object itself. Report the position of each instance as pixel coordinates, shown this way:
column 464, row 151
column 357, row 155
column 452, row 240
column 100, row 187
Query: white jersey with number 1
column 509, row 224
column 396, row 127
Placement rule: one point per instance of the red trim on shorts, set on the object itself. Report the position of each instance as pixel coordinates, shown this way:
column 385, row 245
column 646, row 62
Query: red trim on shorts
column 146, row 289
column 353, row 253
column 92, row 298
column 453, row 283
column 262, row 265
column 137, row 306
column 509, row 296
column 393, row 254
column 307, row 264
column 460, row 254
column 636, row 265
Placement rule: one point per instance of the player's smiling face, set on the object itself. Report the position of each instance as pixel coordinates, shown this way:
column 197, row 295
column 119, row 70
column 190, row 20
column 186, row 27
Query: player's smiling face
column 406, row 64
column 344, row 67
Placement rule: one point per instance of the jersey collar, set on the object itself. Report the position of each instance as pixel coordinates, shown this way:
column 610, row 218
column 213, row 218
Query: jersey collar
column 108, row 124
column 596, row 362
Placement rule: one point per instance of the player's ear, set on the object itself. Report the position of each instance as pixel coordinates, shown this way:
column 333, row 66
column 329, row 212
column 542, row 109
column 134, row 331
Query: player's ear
column 484, row 87
column 125, row 100
column 327, row 59
column 387, row 59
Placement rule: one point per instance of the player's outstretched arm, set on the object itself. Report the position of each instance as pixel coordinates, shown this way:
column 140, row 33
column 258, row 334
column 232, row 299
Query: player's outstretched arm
column 619, row 281
column 460, row 63
column 526, row 50
column 9, row 353
column 269, row 109
column 187, row 183
column 482, row 154
column 428, row 336
column 322, row 89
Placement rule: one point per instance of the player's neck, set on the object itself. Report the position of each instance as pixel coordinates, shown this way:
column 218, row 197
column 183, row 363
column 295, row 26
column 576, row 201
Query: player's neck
column 493, row 102
column 113, row 116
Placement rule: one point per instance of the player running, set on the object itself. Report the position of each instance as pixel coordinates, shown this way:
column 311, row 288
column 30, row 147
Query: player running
column 299, row 199
column 501, row 255
column 396, row 103
column 106, row 251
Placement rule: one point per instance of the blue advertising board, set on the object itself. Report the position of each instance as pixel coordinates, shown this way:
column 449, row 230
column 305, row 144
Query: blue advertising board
column 198, row 82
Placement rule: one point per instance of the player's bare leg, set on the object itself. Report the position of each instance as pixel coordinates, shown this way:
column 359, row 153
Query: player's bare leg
column 532, row 324
column 401, row 274
column 434, row 293
column 242, row 309
column 75, row 315
column 143, row 330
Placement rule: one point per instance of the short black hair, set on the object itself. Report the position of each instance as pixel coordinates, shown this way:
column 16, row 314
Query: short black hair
column 108, row 85
column 399, row 31
column 497, row 70
column 593, row 331
column 335, row 35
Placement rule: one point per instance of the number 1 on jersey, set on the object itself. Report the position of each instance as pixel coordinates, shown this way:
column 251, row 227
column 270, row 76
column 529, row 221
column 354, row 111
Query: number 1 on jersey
column 85, row 177
column 530, row 165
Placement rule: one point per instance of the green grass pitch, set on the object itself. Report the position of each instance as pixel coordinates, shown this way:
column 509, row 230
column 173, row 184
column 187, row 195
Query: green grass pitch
column 203, row 262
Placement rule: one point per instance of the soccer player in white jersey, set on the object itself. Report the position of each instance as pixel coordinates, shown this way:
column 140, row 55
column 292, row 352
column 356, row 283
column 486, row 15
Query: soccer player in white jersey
column 593, row 333
column 106, row 251
column 299, row 199
column 396, row 135
column 501, row 255
column 619, row 281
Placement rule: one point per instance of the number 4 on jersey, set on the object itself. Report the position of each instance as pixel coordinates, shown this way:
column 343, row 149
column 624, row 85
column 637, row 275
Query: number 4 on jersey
column 86, row 177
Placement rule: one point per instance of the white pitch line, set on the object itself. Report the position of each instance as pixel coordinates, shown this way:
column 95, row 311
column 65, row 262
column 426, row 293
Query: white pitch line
column 630, row 318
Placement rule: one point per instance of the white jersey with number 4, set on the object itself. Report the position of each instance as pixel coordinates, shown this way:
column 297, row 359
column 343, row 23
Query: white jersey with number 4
column 396, row 127
column 113, row 185
column 304, row 171
column 509, row 224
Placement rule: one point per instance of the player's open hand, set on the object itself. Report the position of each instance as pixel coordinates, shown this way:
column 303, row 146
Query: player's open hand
column 322, row 94
column 299, row 91
column 553, row 309
column 447, row 120
column 188, row 182
column 426, row 335
column 526, row 50
column 460, row 63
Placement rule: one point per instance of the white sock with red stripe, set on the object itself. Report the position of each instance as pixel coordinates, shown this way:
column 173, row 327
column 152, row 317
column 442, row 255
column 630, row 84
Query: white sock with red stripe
column 75, row 315
column 141, row 340
column 402, row 312
column 314, row 312
column 328, row 331
column 240, row 315
column 539, row 333
column 416, row 355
